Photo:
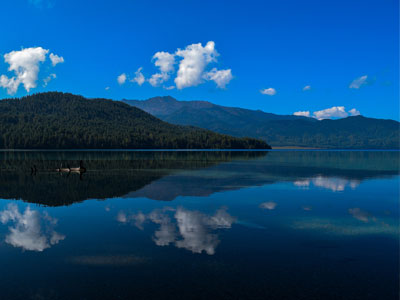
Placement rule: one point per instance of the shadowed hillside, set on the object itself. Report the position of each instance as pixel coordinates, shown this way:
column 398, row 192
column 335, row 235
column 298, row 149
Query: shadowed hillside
column 278, row 130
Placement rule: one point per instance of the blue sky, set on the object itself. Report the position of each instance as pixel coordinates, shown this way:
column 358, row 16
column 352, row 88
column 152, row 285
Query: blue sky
column 260, row 54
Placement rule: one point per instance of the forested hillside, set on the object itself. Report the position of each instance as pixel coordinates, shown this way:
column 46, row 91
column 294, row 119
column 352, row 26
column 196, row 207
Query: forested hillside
column 56, row 120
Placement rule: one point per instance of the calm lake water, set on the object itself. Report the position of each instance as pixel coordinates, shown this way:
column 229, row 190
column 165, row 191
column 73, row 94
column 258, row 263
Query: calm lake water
column 201, row 225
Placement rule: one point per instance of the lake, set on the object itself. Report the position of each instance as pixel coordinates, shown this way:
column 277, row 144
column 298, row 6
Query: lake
column 201, row 225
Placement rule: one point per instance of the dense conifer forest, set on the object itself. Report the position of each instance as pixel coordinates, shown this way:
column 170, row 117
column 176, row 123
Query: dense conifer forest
column 57, row 120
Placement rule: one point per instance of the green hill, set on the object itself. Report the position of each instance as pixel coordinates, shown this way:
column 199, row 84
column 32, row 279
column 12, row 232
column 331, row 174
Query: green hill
column 56, row 120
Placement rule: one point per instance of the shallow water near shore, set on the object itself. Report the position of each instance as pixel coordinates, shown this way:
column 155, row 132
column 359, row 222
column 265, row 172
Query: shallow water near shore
column 200, row 224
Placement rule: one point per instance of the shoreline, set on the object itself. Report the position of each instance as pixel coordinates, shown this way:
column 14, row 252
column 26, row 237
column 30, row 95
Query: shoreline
column 195, row 150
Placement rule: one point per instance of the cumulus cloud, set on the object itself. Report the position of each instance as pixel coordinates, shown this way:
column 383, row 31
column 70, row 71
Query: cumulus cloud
column 27, row 232
column 268, row 205
column 55, row 59
column 195, row 57
column 329, row 113
column 268, row 91
column 333, row 112
column 139, row 77
column 302, row 113
column 220, row 77
column 307, row 88
column 192, row 62
column 358, row 82
column 158, row 78
column 121, row 78
column 354, row 112
column 165, row 62
column 25, row 65
column 186, row 229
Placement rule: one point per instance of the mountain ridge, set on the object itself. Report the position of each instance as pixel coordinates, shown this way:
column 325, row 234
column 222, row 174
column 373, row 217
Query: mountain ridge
column 354, row 132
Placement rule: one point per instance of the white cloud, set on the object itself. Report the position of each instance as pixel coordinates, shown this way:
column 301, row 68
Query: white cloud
column 158, row 78
column 220, row 77
column 25, row 65
column 333, row 112
column 192, row 64
column 107, row 88
column 48, row 79
column 358, row 82
column 195, row 58
column 268, row 91
column 55, row 59
column 354, row 112
column 329, row 113
column 139, row 77
column 27, row 232
column 121, row 78
column 302, row 113
column 165, row 61
column 307, row 88
column 268, row 205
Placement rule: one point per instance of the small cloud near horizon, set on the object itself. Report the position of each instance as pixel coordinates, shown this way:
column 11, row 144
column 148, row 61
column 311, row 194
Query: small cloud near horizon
column 329, row 113
column 269, row 91
column 302, row 113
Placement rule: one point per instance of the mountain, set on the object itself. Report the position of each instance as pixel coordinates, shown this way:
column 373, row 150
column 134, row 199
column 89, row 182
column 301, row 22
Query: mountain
column 56, row 120
column 356, row 132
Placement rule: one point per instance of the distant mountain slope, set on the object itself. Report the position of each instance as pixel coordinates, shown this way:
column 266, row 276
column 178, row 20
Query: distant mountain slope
column 278, row 130
column 63, row 121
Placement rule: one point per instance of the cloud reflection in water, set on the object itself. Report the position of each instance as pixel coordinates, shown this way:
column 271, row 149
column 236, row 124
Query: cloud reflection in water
column 334, row 184
column 31, row 230
column 191, row 230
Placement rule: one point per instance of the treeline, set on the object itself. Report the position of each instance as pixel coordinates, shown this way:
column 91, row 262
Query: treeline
column 64, row 121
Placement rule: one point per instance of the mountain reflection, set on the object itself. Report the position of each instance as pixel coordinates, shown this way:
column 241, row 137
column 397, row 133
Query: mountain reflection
column 183, row 228
column 109, row 173
column 163, row 175
column 31, row 230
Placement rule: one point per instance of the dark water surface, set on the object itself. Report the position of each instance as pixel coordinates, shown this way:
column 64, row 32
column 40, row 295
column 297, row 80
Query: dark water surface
column 200, row 225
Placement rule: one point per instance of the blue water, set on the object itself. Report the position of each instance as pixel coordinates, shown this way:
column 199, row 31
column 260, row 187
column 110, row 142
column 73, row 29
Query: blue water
column 201, row 225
